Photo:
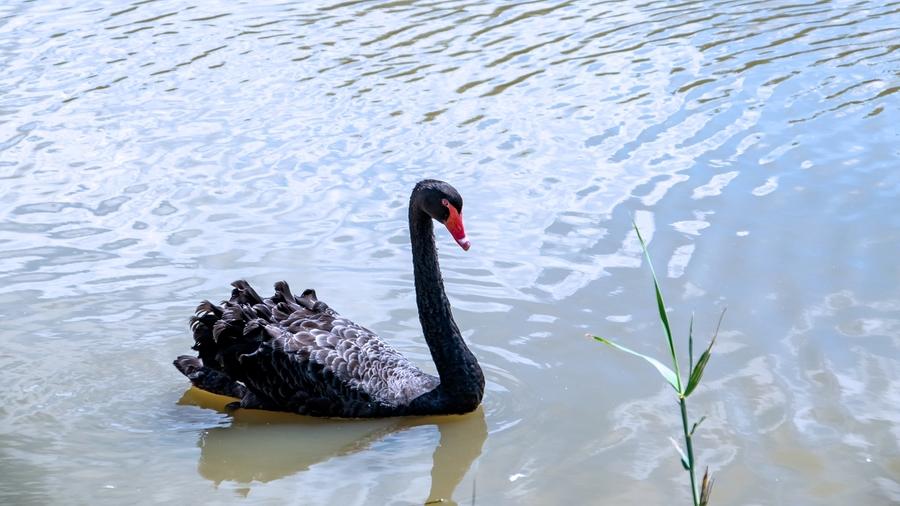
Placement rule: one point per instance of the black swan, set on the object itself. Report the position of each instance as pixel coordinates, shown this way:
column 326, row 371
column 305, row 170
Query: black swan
column 296, row 354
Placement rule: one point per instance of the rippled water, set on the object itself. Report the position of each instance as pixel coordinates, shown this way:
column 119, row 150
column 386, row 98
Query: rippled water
column 152, row 152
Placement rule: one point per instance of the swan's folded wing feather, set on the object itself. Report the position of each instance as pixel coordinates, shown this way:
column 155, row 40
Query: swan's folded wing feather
column 356, row 358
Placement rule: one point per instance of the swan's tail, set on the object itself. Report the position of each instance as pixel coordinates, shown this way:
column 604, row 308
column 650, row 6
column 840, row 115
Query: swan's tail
column 208, row 379
column 224, row 332
column 221, row 334
column 230, row 328
column 202, row 324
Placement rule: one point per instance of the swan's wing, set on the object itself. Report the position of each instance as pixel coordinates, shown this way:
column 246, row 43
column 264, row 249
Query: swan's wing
column 297, row 354
column 339, row 354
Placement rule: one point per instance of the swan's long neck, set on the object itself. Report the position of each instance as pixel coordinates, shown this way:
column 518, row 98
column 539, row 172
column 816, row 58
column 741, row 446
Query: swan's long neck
column 462, row 381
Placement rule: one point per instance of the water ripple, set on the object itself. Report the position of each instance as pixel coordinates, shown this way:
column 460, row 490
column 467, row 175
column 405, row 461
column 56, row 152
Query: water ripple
column 152, row 152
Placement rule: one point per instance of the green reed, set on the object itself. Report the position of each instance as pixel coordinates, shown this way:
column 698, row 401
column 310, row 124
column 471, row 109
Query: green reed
column 683, row 390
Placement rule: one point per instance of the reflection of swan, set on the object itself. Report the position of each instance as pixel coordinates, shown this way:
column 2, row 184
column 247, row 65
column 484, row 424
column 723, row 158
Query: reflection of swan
column 263, row 446
column 294, row 353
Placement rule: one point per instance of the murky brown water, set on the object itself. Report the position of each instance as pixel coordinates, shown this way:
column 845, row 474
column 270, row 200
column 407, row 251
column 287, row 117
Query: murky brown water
column 152, row 152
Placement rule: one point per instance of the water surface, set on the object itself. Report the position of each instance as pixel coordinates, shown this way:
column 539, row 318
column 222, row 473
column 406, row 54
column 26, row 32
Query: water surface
column 152, row 152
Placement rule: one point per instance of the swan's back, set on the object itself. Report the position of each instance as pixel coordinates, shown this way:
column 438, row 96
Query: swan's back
column 297, row 354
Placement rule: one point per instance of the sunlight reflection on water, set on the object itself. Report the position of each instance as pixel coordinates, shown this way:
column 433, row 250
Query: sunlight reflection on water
column 151, row 153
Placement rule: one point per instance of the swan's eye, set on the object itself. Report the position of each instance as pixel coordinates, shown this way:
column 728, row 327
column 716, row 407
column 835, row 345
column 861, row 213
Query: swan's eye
column 445, row 203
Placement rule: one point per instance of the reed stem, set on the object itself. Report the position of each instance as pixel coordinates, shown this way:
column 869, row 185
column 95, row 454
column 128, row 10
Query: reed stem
column 690, row 449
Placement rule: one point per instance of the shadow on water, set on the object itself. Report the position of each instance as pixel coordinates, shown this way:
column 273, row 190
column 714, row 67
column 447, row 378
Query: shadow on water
column 263, row 446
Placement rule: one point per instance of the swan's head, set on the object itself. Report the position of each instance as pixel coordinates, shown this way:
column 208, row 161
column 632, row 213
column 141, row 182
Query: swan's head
column 443, row 203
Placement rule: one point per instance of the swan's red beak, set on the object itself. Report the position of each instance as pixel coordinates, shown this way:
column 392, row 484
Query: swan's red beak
column 454, row 224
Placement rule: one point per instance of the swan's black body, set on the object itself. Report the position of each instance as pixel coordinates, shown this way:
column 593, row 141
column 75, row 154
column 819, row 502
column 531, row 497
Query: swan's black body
column 290, row 353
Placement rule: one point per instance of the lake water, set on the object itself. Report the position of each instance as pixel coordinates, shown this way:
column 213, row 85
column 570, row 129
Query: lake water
column 152, row 152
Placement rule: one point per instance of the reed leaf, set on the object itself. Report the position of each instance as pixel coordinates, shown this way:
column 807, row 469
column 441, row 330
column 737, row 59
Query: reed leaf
column 666, row 373
column 691, row 344
column 697, row 424
column 697, row 372
column 661, row 306
column 684, row 460
column 706, row 488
